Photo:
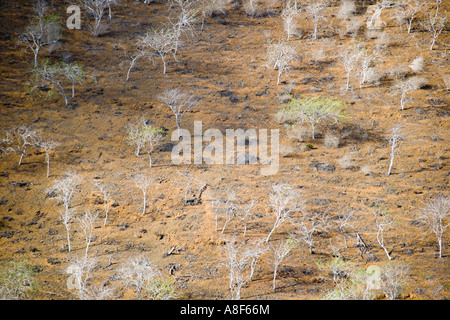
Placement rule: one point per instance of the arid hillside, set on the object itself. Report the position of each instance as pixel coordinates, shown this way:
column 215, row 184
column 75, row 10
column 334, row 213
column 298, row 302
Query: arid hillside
column 343, row 217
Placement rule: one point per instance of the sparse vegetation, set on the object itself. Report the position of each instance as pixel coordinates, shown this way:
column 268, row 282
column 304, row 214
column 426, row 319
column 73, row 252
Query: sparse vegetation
column 93, row 220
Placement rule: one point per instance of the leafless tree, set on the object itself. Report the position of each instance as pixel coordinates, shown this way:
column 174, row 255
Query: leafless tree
column 284, row 202
column 434, row 25
column 253, row 251
column 96, row 8
column 407, row 11
column 192, row 186
column 403, row 87
column 185, row 18
column 106, row 193
column 342, row 223
column 138, row 271
column 133, row 136
column 143, row 183
column 80, row 270
column 383, row 221
column 75, row 73
column 48, row 145
column 161, row 41
column 179, row 102
column 307, row 225
column 64, row 188
column 66, row 216
column 18, row 139
column 393, row 279
column 87, row 224
column 244, row 213
column 350, row 58
column 54, row 76
column 379, row 7
column 289, row 14
column 236, row 262
column 279, row 57
column 346, row 9
column 280, row 252
column 226, row 208
column 316, row 11
column 435, row 217
column 396, row 135
column 40, row 32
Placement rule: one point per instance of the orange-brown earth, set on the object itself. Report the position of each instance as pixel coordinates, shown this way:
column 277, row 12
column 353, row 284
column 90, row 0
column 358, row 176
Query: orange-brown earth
column 228, row 54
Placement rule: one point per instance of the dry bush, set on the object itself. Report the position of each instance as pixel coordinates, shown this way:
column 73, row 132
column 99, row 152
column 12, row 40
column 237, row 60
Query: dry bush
column 346, row 9
column 347, row 162
column 367, row 170
column 373, row 76
column 299, row 133
column 417, row 65
column 383, row 41
column 210, row 8
column 352, row 26
column 318, row 56
column 446, row 79
column 287, row 151
column 331, row 141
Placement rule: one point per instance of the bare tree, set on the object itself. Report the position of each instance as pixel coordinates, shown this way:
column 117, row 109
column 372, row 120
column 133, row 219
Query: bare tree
column 40, row 32
column 87, row 221
column 434, row 25
column 342, row 223
column 435, row 215
column 404, row 86
column 244, row 213
column 383, row 221
column 192, row 188
column 66, row 217
column 279, row 57
column 253, row 251
column 280, row 252
column 179, row 102
column 236, row 262
column 407, row 11
column 143, row 183
column 316, row 11
column 289, row 14
column 395, row 138
column 284, row 202
column 339, row 268
column 161, row 41
column 80, row 270
column 96, row 8
column 106, row 193
column 379, row 7
column 226, row 208
column 18, row 139
column 48, row 145
column 138, row 271
column 308, row 225
column 393, row 279
column 63, row 190
column 185, row 18
column 350, row 58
